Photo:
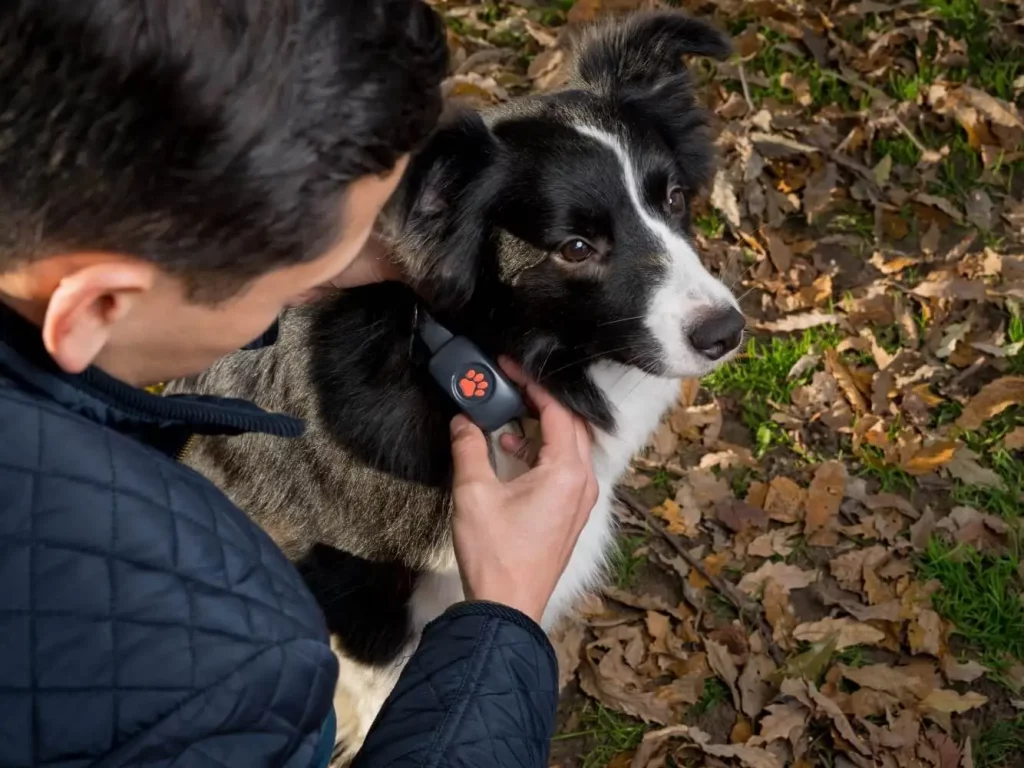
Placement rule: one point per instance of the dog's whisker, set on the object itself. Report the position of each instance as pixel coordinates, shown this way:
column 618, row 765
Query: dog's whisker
column 621, row 320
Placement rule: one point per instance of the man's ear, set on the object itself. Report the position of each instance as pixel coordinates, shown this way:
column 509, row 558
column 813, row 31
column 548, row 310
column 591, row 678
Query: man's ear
column 644, row 51
column 85, row 307
column 438, row 221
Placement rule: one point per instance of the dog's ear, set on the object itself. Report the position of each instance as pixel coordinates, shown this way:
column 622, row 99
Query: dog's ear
column 438, row 219
column 644, row 51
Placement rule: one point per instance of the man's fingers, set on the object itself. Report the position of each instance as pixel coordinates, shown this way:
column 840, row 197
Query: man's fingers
column 470, row 458
column 556, row 422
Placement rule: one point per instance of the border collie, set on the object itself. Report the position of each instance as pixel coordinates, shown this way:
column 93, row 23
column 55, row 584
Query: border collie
column 553, row 229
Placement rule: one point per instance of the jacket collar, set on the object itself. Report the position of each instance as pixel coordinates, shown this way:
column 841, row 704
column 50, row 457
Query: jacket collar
column 106, row 400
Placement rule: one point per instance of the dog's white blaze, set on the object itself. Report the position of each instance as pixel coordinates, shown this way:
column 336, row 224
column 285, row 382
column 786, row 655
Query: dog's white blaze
column 689, row 290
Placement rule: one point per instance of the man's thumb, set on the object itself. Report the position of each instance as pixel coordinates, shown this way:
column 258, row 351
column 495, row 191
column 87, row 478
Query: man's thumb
column 469, row 453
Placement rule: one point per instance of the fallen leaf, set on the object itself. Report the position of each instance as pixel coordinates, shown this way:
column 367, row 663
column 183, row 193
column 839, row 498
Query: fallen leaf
column 965, row 467
column 994, row 398
column 776, row 542
column 784, row 721
column 613, row 683
column 957, row 672
column 754, row 686
column 900, row 682
column 808, row 694
column 824, row 495
column 811, row 663
column 847, row 631
column 788, row 577
column 930, row 458
column 738, row 516
column 749, row 757
column 785, row 500
column 924, row 633
column 1014, row 441
column 567, row 639
column 846, row 381
column 680, row 521
column 948, row 702
column 722, row 664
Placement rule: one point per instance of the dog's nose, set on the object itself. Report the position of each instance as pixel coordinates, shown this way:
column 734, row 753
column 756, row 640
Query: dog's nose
column 718, row 333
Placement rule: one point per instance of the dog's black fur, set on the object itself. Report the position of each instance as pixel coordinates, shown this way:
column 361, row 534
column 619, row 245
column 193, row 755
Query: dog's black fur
column 478, row 225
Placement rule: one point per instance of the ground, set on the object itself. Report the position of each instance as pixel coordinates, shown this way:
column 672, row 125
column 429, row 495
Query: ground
column 819, row 562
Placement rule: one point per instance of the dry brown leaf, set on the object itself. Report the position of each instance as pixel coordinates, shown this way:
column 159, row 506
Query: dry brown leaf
column 748, row 757
column 930, row 458
column 754, row 688
column 994, row 398
column 966, row 672
column 721, row 662
column 924, row 633
column 788, row 577
column 738, row 516
column 785, row 500
column 845, row 379
column 948, row 702
column 1014, row 441
column 773, row 543
column 567, row 639
column 847, row 632
column 806, row 693
column 900, row 682
column 848, row 569
column 680, row 521
column 613, row 683
column 965, row 467
column 784, row 721
column 824, row 495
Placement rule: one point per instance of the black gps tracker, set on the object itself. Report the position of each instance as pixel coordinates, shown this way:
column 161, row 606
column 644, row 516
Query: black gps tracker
column 469, row 377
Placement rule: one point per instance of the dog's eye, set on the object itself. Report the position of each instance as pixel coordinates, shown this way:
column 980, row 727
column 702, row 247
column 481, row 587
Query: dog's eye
column 676, row 201
column 576, row 250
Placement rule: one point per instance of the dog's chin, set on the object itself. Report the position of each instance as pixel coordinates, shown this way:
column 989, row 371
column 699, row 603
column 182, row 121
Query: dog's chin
column 694, row 366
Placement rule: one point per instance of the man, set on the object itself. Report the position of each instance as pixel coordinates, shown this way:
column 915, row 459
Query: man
column 173, row 173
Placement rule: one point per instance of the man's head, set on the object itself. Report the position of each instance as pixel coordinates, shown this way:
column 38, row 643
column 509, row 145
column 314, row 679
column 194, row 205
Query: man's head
column 173, row 172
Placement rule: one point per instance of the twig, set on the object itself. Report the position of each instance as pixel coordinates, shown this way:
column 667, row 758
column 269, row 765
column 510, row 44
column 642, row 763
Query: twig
column 742, row 603
column 910, row 134
column 746, row 88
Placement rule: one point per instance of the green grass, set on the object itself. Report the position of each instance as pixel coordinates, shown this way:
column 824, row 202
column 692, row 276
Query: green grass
column 990, row 67
column 759, row 377
column 1000, row 744
column 711, row 224
column 902, row 150
column 854, row 656
column 610, row 734
column 1005, row 501
column 772, row 61
column 624, row 563
column 715, row 692
column 889, row 477
column 981, row 595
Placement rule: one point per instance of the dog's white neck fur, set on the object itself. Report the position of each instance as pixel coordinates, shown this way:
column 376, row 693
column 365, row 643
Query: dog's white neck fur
column 638, row 401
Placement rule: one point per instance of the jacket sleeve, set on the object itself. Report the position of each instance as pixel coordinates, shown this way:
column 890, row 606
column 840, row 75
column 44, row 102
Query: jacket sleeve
column 481, row 689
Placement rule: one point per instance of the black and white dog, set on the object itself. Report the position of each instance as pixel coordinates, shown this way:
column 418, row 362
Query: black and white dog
column 554, row 230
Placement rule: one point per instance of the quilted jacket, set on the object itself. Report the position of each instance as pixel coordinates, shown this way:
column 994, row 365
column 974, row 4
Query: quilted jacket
column 144, row 620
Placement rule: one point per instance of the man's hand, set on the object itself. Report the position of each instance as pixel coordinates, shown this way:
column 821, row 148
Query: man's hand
column 513, row 540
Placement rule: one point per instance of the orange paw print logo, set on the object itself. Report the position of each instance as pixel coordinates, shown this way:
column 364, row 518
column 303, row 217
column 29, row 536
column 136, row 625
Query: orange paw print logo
column 473, row 384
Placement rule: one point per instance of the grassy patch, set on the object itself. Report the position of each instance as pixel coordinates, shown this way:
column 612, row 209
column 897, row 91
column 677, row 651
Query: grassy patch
column 715, row 692
column 773, row 61
column 760, row 377
column 902, row 150
column 609, row 732
column 980, row 595
column 890, row 478
column 854, row 656
column 990, row 67
column 986, row 442
column 711, row 224
column 624, row 562
column 1000, row 744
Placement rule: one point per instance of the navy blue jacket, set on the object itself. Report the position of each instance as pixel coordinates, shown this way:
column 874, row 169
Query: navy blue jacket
column 144, row 620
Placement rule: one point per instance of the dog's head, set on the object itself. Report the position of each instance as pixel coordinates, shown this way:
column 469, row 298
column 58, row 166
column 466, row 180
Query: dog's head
column 556, row 229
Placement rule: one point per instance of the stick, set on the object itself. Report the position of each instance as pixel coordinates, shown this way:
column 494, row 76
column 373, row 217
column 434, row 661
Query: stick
column 743, row 604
